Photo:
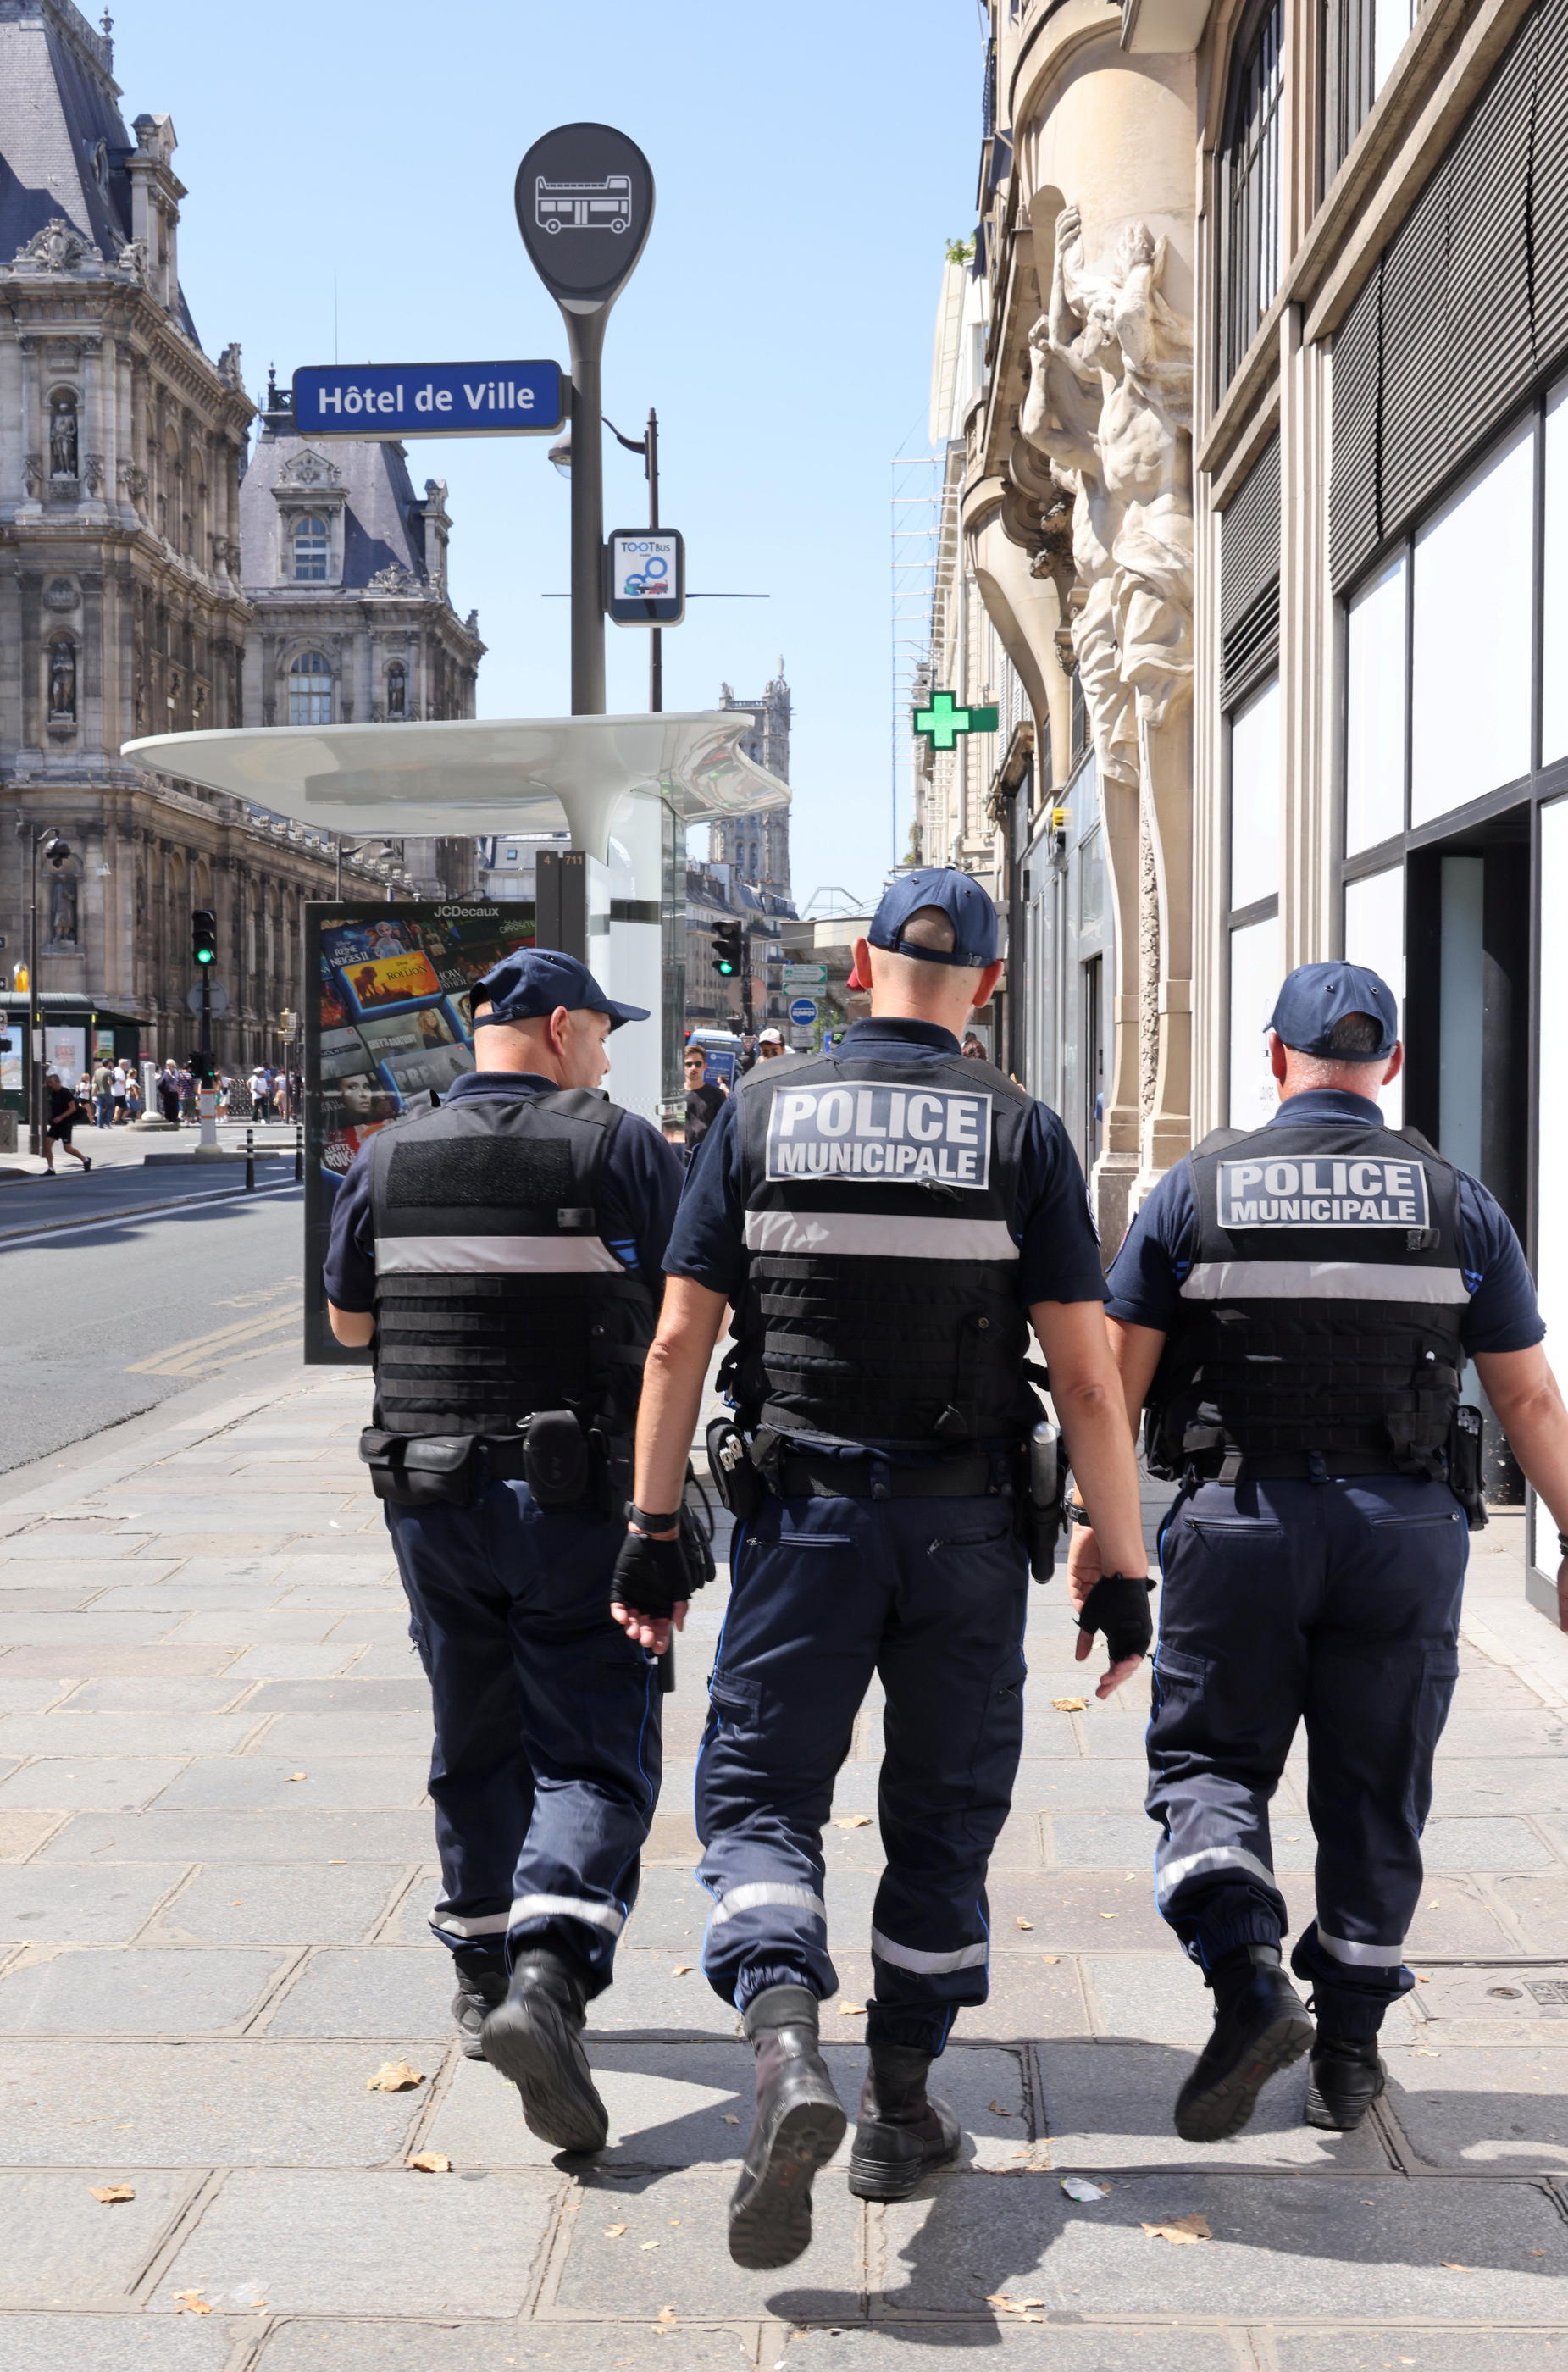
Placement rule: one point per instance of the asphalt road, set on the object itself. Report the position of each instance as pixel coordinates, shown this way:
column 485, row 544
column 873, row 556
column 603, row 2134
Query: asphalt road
column 102, row 1321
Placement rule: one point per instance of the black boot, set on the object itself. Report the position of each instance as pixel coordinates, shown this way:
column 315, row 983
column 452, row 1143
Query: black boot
column 535, row 2038
column 481, row 1987
column 1260, row 2026
column 1347, row 2077
column 799, row 2125
column 901, row 2132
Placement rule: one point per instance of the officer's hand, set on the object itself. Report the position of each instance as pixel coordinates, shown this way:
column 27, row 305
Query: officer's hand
column 649, row 1570
column 1116, row 1607
column 1083, row 1565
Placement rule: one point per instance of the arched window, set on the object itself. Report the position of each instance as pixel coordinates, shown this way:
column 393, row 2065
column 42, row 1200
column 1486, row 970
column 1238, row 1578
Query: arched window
column 397, row 690
column 310, row 547
column 309, row 689
column 1250, row 184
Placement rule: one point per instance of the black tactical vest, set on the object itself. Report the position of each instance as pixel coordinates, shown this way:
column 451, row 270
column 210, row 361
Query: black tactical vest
column 1322, row 1308
column 495, row 1292
column 881, row 1301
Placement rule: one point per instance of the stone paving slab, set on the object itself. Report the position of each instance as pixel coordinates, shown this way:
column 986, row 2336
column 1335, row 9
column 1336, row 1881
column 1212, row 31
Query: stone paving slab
column 147, row 1992
column 1109, row 2104
column 1060, row 2348
column 87, row 1784
column 380, row 1989
column 115, row 2343
column 396, row 2243
column 64, row 2249
column 44, row 1903
column 480, row 2347
column 305, row 1836
column 206, row 2104
column 131, row 1657
column 263, row 1781
column 1283, row 2247
column 126, row 1734
column 307, row 1734
column 615, row 2274
column 21, row 1834
column 1503, row 2111
column 1435, row 2351
column 154, row 1693
column 271, row 1903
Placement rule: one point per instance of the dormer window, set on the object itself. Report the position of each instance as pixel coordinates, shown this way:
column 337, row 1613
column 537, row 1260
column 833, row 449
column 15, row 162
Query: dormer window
column 311, row 543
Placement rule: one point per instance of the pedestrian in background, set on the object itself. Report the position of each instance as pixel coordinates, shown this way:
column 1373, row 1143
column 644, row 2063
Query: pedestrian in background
column 169, row 1092
column 132, row 1098
column 704, row 1100
column 1295, row 1304
column 260, row 1093
column 770, row 1044
column 103, row 1094
column 186, row 1078
column 64, row 1107
column 120, row 1080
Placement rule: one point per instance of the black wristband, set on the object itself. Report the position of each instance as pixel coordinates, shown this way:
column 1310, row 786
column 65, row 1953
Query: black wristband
column 646, row 1523
column 1118, row 1605
column 1562, row 1544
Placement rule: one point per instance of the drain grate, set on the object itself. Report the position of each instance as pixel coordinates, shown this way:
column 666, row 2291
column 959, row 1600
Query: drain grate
column 1548, row 1989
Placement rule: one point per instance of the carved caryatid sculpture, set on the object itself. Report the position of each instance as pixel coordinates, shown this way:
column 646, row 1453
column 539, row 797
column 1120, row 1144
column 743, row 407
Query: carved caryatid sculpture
column 62, row 453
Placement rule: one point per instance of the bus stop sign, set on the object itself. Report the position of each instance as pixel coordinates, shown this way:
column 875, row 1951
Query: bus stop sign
column 585, row 199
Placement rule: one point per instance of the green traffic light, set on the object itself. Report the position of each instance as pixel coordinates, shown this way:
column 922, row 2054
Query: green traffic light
column 205, row 955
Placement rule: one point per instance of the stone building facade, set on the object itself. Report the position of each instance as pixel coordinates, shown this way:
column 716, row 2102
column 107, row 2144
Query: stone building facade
column 344, row 569
column 122, row 609
column 757, row 847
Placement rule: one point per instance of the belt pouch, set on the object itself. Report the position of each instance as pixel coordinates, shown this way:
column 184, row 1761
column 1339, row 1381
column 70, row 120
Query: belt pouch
column 440, row 1471
column 1464, row 1465
column 735, row 1478
column 555, row 1458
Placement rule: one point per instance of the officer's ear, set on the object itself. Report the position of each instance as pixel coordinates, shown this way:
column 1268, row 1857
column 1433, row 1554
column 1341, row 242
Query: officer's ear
column 1396, row 1063
column 1278, row 1052
column 985, row 987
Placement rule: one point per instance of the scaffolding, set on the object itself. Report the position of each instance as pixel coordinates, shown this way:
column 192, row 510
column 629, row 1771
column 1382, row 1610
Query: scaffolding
column 916, row 512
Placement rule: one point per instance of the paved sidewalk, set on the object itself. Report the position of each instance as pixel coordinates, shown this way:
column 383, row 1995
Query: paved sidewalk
column 213, row 1875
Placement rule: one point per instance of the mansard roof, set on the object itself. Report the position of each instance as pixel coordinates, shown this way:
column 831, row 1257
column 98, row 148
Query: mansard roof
column 383, row 527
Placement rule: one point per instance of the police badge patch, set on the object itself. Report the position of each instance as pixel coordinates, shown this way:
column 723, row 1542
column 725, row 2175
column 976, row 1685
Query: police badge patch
column 1323, row 1191
column 880, row 1135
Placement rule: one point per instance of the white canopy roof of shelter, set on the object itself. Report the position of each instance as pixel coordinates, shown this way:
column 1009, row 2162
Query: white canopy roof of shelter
column 475, row 776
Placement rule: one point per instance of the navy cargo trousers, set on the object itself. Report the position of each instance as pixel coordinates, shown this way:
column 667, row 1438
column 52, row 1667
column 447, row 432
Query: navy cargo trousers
column 1335, row 1604
column 827, row 1592
column 546, row 1766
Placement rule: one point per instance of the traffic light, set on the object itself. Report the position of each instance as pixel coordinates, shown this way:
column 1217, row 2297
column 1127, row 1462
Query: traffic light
column 204, row 937
column 729, row 951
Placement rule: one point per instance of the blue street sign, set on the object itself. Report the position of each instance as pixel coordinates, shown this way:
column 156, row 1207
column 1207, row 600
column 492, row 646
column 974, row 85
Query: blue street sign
column 803, row 1011
column 428, row 400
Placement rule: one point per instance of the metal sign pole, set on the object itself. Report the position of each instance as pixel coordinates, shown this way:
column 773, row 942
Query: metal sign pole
column 585, row 338
column 655, row 637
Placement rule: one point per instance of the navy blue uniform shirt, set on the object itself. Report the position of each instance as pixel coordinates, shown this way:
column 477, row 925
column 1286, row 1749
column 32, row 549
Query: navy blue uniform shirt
column 639, row 1188
column 1059, row 1252
column 1147, row 1274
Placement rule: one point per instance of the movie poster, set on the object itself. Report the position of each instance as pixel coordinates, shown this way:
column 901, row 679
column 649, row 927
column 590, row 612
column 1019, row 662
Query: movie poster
column 389, row 1027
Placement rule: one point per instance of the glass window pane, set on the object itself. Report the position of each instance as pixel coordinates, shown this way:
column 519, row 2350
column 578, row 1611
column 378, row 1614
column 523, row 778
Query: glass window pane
column 1551, row 1106
column 1254, row 984
column 1375, row 710
column 1255, row 792
column 1391, row 22
column 1471, row 680
column 1374, row 936
column 1554, row 625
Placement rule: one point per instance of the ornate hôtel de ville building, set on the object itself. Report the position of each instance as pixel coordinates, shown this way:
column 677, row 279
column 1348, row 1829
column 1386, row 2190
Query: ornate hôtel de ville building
column 147, row 585
column 1252, row 388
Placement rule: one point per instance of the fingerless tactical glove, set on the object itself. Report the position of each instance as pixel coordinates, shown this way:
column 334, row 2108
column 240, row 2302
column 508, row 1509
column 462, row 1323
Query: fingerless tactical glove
column 1118, row 1605
column 653, row 1575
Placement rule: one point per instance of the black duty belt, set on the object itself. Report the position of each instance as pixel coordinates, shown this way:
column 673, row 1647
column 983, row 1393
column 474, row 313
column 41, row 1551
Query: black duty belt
column 1299, row 1466
column 799, row 1475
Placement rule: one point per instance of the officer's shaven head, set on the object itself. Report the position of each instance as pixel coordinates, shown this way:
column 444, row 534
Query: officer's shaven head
column 904, row 987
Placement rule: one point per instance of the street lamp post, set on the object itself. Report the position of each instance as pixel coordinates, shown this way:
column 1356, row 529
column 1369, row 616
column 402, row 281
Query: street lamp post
column 563, row 454
column 47, row 842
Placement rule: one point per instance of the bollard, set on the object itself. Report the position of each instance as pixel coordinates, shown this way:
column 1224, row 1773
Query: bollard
column 298, row 1153
column 249, row 1158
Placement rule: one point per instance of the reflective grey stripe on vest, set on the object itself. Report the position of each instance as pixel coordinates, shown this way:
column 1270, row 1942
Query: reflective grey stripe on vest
column 873, row 1235
column 1173, row 1874
column 1323, row 1281
column 757, row 1896
column 927, row 1964
column 494, row 1923
column 1362, row 1956
column 495, row 1256
column 567, row 1906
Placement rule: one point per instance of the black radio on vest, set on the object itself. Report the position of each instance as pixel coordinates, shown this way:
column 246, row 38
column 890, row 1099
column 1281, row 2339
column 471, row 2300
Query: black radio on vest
column 1321, row 1312
column 497, row 1299
column 881, row 1302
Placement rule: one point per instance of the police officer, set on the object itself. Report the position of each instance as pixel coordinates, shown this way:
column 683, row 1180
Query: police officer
column 885, row 1220
column 503, row 1252
column 1295, row 1304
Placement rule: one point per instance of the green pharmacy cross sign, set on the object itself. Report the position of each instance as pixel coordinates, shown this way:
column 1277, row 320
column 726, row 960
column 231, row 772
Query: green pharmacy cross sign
column 943, row 721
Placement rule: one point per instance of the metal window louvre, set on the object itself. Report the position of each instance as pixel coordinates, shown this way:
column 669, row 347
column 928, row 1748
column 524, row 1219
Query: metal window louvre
column 1549, row 187
column 1355, row 522
column 1250, row 539
column 1417, row 443
column 1250, row 649
column 1487, row 315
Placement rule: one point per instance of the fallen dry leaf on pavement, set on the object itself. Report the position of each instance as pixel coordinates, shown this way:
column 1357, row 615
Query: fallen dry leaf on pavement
column 998, row 2110
column 1014, row 2306
column 192, row 2302
column 1051, row 1959
column 296, row 1775
column 1182, row 2228
column 613, row 2231
column 665, row 2314
column 1071, row 1705
column 852, row 2009
column 394, row 2076
column 1026, row 1924
column 1110, row 1914
column 729, row 2119
column 647, row 2244
column 853, row 1820
column 110, row 2194
column 1450, row 2267
column 681, row 1969
column 430, row 2162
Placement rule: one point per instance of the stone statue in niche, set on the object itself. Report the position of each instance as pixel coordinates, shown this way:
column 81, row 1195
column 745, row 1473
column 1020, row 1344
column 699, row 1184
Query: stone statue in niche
column 63, row 684
column 62, row 436
column 63, row 910
column 397, row 692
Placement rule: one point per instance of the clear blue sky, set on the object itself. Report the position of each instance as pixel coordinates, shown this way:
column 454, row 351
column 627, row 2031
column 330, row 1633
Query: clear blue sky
column 810, row 160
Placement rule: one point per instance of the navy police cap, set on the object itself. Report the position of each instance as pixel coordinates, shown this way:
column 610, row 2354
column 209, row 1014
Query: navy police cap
column 530, row 984
column 958, row 895
column 1317, row 996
